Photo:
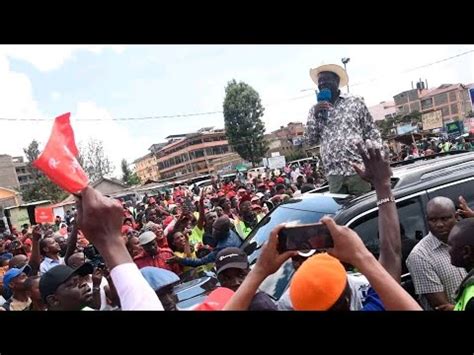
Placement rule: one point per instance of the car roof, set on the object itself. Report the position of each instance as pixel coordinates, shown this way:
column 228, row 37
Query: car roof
column 408, row 177
column 324, row 202
column 410, row 173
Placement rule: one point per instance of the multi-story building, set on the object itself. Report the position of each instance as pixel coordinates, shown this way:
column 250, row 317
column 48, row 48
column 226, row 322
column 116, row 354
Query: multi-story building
column 22, row 171
column 382, row 111
column 146, row 167
column 8, row 175
column 451, row 99
column 286, row 140
column 189, row 155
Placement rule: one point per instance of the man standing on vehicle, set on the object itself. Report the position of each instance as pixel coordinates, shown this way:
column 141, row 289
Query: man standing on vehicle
column 336, row 123
column 429, row 263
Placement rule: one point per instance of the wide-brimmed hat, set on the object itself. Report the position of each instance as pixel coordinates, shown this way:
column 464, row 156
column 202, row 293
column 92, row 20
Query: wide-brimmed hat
column 333, row 68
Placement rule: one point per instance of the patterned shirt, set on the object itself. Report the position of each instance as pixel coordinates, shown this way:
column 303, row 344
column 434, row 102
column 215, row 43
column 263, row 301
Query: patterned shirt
column 431, row 270
column 348, row 120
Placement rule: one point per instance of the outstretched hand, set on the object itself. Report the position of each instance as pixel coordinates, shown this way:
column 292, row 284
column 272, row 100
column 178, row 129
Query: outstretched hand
column 376, row 168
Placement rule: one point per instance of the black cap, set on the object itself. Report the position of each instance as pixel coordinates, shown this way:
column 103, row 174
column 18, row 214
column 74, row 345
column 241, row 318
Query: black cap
column 229, row 258
column 59, row 274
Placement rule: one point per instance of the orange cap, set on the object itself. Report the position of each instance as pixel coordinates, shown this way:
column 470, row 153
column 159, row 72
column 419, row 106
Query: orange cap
column 318, row 283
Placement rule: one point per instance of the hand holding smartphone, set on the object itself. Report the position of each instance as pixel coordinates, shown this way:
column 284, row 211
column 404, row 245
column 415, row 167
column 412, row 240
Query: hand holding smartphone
column 304, row 237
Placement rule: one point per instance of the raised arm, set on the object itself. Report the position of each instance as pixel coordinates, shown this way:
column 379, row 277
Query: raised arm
column 200, row 223
column 71, row 242
column 100, row 219
column 377, row 171
column 35, row 259
column 268, row 262
column 349, row 248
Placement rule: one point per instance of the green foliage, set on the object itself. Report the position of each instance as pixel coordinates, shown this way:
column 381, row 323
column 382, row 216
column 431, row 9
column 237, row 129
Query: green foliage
column 242, row 115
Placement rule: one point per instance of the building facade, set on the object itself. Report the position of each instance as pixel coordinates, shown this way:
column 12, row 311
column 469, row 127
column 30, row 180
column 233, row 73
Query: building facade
column 23, row 171
column 286, row 140
column 8, row 175
column 193, row 154
column 451, row 99
column 146, row 168
column 384, row 110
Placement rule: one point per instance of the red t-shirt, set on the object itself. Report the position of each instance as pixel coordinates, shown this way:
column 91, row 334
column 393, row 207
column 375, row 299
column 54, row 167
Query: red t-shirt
column 158, row 260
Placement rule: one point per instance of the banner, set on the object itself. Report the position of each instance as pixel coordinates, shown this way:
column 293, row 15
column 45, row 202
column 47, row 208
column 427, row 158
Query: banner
column 432, row 120
column 44, row 215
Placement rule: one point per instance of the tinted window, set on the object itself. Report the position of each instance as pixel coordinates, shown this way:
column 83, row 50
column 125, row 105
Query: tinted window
column 412, row 219
column 276, row 284
column 465, row 189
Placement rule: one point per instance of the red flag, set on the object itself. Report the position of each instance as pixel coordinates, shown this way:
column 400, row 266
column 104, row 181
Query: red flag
column 58, row 160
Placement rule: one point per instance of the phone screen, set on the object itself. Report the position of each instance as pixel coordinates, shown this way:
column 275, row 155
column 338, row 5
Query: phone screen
column 305, row 237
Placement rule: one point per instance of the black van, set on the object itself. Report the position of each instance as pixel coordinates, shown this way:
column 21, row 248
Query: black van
column 414, row 183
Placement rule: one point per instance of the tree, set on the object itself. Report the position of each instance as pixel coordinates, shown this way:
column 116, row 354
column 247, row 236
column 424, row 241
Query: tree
column 130, row 178
column 41, row 188
column 244, row 128
column 93, row 160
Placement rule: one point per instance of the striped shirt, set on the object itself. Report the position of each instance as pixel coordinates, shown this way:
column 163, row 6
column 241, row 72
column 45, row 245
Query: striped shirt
column 430, row 267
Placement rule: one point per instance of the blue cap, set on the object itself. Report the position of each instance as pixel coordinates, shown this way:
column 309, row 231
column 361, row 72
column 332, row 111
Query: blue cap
column 157, row 277
column 12, row 273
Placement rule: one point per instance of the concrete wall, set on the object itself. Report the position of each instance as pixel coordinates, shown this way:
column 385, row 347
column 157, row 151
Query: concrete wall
column 8, row 177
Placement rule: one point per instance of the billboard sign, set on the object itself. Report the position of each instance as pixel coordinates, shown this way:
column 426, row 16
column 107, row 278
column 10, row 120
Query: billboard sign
column 432, row 120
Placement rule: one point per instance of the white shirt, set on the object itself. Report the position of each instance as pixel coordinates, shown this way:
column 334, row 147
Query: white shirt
column 49, row 263
column 134, row 292
column 359, row 287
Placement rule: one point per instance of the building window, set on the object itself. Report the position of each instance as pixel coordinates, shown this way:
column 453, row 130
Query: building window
column 452, row 96
column 427, row 103
column 454, row 109
column 413, row 95
column 199, row 153
column 441, row 99
column 415, row 106
column 445, row 111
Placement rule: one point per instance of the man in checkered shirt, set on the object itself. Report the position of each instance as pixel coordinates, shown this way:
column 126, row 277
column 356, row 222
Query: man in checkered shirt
column 429, row 263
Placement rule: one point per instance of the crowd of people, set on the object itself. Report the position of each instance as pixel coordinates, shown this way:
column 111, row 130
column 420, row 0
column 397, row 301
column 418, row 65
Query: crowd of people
column 110, row 254
column 430, row 146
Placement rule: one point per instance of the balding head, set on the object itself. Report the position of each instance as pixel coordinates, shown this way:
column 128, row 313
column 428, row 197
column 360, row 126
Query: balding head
column 441, row 216
column 440, row 202
column 18, row 261
column 76, row 260
column 461, row 244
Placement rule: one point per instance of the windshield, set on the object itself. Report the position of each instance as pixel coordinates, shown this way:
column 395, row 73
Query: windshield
column 300, row 211
column 280, row 215
column 276, row 284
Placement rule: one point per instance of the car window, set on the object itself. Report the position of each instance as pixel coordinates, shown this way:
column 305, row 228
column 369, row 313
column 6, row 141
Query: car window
column 453, row 191
column 412, row 220
column 276, row 284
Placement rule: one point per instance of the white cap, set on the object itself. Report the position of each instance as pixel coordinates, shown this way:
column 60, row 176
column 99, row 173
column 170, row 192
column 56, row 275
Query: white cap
column 146, row 238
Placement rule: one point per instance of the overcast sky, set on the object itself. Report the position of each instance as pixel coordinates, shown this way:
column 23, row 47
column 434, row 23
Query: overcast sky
column 139, row 81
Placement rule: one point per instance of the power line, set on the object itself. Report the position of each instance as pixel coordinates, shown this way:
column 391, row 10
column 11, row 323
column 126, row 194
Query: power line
column 419, row 67
column 139, row 118
column 407, row 70
column 115, row 119
column 217, row 112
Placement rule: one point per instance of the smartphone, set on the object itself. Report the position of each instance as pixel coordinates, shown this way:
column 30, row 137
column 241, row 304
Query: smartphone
column 304, row 237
